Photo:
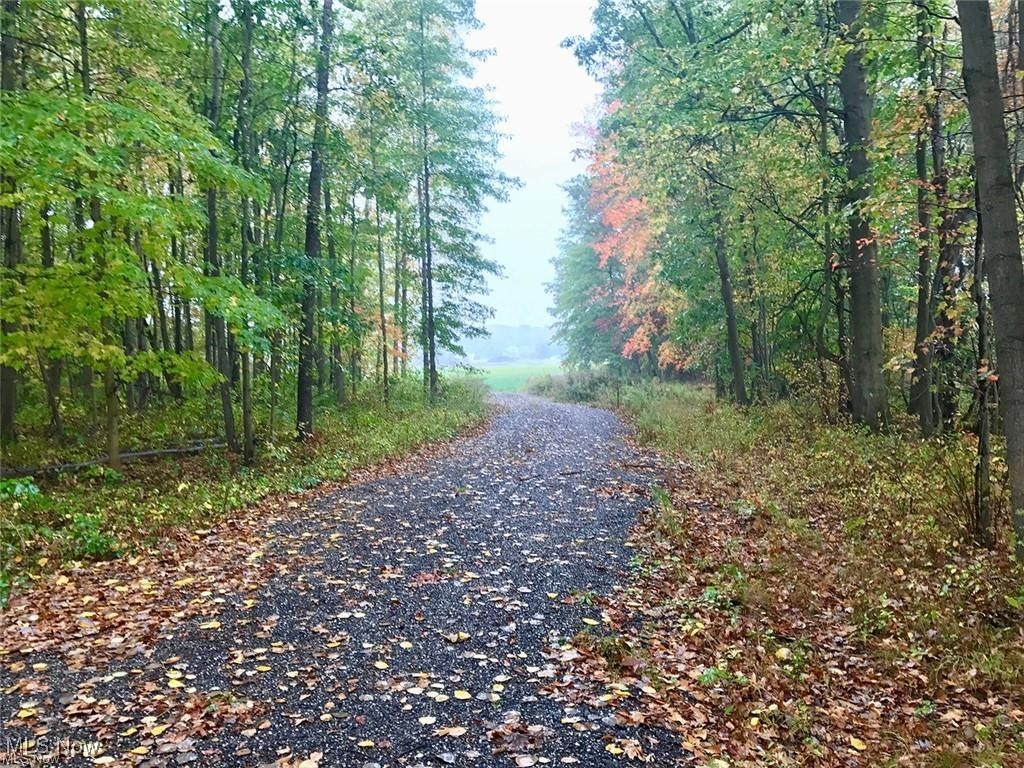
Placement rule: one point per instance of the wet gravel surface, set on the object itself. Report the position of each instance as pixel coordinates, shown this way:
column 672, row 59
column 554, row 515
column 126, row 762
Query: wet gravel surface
column 413, row 619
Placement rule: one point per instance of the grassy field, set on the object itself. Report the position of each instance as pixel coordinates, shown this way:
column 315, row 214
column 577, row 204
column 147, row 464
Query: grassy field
column 513, row 377
column 509, row 377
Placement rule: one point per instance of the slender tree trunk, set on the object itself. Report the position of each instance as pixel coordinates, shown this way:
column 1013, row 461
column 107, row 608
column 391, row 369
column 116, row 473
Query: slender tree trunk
column 731, row 328
column 428, row 274
column 869, row 397
column 337, row 370
column 10, row 228
column 176, row 300
column 50, row 368
column 395, row 308
column 380, row 302
column 218, row 345
column 998, row 215
column 984, row 528
column 353, row 377
column 921, row 379
column 110, row 378
column 113, row 407
column 244, row 11
column 424, row 344
column 304, row 415
column 405, row 313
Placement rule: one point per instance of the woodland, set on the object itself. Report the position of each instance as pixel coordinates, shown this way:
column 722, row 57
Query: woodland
column 770, row 514
column 815, row 208
column 227, row 225
column 816, row 201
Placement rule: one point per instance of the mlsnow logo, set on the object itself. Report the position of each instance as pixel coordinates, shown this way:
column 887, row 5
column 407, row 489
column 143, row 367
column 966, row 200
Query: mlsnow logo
column 32, row 752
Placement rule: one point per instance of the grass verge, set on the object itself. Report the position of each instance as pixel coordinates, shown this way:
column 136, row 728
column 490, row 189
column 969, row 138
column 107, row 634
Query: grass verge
column 808, row 593
column 99, row 514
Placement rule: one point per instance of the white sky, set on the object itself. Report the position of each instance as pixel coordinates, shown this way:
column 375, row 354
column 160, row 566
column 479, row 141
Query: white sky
column 542, row 92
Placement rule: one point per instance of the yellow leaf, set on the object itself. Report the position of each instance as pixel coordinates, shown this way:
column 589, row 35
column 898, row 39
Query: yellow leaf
column 592, row 623
column 405, row 644
column 158, row 729
column 365, row 744
column 454, row 731
column 140, row 751
column 857, row 744
column 427, row 720
column 210, row 625
column 380, row 664
column 175, row 684
column 614, row 749
column 463, row 695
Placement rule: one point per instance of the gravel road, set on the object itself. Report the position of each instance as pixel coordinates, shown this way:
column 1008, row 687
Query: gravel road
column 411, row 620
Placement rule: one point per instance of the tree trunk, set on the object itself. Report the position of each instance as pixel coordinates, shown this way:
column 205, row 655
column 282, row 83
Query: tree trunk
column 380, row 302
column 113, row 407
column 424, row 345
column 984, row 528
column 731, row 329
column 396, row 280
column 337, row 370
column 304, row 409
column 353, row 377
column 428, row 255
column 244, row 12
column 10, row 228
column 218, row 345
column 1003, row 265
column 921, row 378
column 868, row 396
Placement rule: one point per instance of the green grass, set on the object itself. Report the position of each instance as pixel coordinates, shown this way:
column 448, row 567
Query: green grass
column 514, row 377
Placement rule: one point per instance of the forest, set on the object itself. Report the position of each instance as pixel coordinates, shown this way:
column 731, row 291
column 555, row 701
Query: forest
column 226, row 224
column 805, row 200
column 255, row 512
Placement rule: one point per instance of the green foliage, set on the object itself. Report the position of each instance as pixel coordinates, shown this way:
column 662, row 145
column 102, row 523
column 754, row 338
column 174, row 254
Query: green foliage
column 582, row 386
column 156, row 163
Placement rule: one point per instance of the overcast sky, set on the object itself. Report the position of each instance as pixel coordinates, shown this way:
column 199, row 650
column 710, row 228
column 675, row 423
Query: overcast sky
column 542, row 92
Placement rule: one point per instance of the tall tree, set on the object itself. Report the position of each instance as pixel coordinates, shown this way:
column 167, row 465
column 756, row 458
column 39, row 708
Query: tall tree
column 304, row 418
column 869, row 398
column 1003, row 266
column 10, row 225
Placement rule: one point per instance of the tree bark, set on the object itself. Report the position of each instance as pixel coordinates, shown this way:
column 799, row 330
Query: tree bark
column 219, row 352
column 10, row 228
column 921, row 378
column 382, row 315
column 1003, row 265
column 428, row 255
column 984, row 528
column 243, row 10
column 337, row 369
column 731, row 329
column 869, row 403
column 304, row 405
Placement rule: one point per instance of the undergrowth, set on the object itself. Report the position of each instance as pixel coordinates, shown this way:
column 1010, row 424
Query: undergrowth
column 839, row 532
column 97, row 513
